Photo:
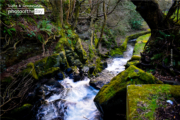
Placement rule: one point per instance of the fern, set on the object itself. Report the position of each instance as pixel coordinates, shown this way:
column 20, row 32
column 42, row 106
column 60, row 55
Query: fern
column 9, row 31
column 164, row 34
column 157, row 56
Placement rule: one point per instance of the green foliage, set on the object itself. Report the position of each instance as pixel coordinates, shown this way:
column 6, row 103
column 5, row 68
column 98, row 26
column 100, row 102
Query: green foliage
column 69, row 33
column 45, row 26
column 9, row 31
column 116, row 51
column 136, row 24
column 135, row 19
column 163, row 34
column 156, row 56
column 91, row 52
column 111, row 38
column 98, row 65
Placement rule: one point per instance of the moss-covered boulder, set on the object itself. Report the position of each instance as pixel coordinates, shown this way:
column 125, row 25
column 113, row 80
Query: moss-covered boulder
column 143, row 100
column 53, row 61
column 111, row 99
column 48, row 66
column 30, row 69
column 50, row 72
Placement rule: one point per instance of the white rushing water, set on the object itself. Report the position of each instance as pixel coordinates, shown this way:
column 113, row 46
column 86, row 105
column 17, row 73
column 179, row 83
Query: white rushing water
column 75, row 102
column 117, row 64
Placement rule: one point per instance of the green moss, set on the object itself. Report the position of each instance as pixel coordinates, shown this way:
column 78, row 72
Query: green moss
column 116, row 51
column 95, row 40
column 53, row 61
column 135, row 57
column 134, row 62
column 122, row 48
column 148, row 95
column 30, row 69
column 49, row 72
column 99, row 66
column 81, row 52
column 131, row 75
column 140, row 43
column 61, row 43
column 25, row 109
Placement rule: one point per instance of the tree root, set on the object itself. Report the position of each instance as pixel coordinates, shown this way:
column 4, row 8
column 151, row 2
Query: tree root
column 16, row 44
column 6, row 50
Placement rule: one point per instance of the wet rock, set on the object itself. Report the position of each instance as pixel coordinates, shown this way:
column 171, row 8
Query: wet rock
column 54, row 83
column 31, row 97
column 104, row 78
column 63, row 66
column 114, row 94
column 68, row 71
column 71, row 76
column 85, row 69
column 77, row 78
column 105, row 65
column 59, row 76
column 91, row 69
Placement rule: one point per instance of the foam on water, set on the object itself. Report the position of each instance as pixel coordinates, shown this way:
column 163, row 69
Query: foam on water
column 117, row 65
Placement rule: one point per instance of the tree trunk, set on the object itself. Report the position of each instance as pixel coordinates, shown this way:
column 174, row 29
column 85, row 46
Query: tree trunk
column 68, row 12
column 77, row 7
column 102, row 30
column 61, row 12
column 57, row 11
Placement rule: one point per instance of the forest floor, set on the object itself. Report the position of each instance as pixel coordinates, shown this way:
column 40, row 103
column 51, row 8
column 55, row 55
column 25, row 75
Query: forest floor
column 16, row 68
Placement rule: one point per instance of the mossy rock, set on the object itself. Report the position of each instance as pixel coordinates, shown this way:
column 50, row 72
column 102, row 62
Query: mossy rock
column 122, row 48
column 77, row 62
column 98, row 66
column 140, row 43
column 134, row 62
column 53, row 61
column 49, row 65
column 135, row 57
column 81, row 52
column 30, row 69
column 22, row 111
column 49, row 72
column 145, row 97
column 63, row 44
column 114, row 94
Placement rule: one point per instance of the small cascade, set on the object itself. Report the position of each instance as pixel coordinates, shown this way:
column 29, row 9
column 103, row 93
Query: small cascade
column 75, row 101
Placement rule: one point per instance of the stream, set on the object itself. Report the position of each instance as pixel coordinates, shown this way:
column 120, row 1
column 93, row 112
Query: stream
column 75, row 102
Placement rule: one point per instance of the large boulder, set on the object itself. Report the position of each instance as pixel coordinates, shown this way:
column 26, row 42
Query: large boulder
column 111, row 99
